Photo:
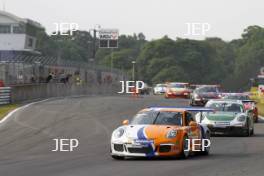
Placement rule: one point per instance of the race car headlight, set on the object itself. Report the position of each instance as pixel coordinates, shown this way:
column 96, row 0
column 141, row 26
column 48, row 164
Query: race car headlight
column 241, row 118
column 119, row 133
column 172, row 134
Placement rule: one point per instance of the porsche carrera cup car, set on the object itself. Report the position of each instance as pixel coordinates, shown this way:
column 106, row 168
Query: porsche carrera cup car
column 202, row 94
column 160, row 131
column 248, row 104
column 177, row 89
column 229, row 117
column 159, row 89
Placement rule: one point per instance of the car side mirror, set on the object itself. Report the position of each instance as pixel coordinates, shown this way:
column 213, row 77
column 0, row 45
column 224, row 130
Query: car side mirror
column 125, row 122
column 193, row 124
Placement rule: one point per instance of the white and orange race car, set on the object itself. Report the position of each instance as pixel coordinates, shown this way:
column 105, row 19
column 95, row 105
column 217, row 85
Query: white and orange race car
column 161, row 131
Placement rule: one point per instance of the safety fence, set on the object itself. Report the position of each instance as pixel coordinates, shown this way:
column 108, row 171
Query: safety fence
column 25, row 69
column 30, row 76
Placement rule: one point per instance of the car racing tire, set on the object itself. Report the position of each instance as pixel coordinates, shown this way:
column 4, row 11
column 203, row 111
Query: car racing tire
column 192, row 103
column 256, row 120
column 252, row 132
column 185, row 154
column 247, row 132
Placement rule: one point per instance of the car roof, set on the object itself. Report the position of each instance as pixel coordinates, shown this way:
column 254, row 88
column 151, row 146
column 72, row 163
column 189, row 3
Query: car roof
column 203, row 86
column 161, row 84
column 178, row 83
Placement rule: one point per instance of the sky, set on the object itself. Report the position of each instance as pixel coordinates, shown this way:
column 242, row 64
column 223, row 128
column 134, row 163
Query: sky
column 155, row 18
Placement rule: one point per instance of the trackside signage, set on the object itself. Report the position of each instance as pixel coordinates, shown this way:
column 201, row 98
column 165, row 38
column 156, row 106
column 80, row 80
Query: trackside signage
column 108, row 34
column 108, row 38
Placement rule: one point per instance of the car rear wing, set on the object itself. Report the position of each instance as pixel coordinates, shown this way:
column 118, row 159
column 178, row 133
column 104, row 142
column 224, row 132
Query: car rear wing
column 249, row 101
column 234, row 94
column 190, row 109
column 199, row 110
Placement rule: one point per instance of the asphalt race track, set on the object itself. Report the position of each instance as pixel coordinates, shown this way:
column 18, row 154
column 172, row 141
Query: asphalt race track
column 26, row 141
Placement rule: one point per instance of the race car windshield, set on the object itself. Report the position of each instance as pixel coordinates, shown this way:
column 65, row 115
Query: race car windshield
column 177, row 86
column 225, row 107
column 160, row 85
column 206, row 89
column 157, row 118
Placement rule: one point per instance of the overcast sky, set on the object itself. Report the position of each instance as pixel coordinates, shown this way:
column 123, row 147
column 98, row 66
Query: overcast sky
column 155, row 18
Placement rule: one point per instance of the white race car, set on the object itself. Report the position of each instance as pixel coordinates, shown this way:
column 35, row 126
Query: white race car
column 160, row 131
column 159, row 89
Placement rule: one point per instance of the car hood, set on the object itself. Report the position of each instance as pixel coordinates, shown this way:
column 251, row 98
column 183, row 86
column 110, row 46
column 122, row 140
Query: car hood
column 221, row 116
column 148, row 131
column 177, row 89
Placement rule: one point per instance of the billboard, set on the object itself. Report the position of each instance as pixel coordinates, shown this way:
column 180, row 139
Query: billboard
column 108, row 38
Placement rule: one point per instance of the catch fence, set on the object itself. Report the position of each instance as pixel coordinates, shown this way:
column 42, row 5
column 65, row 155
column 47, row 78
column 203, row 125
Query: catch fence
column 24, row 69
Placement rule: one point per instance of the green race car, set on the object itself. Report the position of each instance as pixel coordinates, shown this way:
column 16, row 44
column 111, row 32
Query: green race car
column 229, row 117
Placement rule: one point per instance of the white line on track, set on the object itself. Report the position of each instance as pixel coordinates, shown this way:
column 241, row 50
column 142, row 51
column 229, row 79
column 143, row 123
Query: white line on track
column 261, row 117
column 27, row 105
column 20, row 108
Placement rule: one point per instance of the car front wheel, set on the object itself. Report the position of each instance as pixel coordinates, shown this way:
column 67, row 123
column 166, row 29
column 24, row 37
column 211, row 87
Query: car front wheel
column 185, row 148
column 247, row 131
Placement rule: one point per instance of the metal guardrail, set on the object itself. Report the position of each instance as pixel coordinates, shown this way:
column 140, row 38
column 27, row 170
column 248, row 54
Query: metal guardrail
column 5, row 95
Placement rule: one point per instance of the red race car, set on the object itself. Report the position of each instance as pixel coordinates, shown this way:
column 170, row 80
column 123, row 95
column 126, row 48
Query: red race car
column 177, row 89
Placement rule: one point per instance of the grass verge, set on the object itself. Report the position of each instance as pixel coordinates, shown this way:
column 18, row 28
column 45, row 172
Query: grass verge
column 5, row 109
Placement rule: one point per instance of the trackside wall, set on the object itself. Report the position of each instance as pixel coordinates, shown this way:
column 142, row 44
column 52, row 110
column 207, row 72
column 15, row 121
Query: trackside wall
column 41, row 91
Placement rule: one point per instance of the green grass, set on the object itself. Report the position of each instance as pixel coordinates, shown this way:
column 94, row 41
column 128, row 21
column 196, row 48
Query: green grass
column 5, row 109
column 261, row 109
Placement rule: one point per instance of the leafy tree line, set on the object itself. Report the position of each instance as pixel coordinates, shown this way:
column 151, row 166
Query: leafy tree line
column 209, row 61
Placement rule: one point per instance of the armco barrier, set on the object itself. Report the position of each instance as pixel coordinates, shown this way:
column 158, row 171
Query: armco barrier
column 5, row 95
column 40, row 91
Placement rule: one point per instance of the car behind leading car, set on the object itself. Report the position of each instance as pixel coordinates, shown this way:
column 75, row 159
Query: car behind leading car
column 159, row 89
column 229, row 117
column 248, row 104
column 178, row 89
column 203, row 94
